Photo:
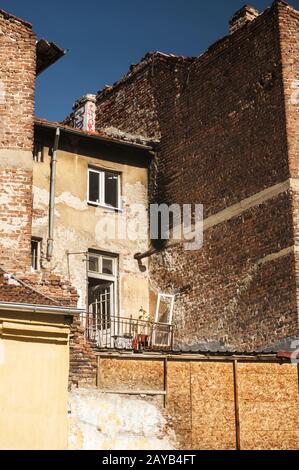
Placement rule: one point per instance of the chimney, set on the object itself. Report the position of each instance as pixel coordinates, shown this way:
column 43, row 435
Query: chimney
column 83, row 115
column 242, row 17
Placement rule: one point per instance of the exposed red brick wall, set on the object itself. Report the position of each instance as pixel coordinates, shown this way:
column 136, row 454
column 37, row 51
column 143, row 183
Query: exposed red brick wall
column 222, row 122
column 289, row 36
column 17, row 76
column 83, row 360
column 15, row 218
column 17, row 86
column 132, row 105
column 227, row 297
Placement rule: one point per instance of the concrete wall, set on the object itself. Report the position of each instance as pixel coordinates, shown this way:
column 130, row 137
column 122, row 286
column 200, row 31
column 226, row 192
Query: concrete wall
column 100, row 421
column 34, row 364
column 77, row 224
column 201, row 399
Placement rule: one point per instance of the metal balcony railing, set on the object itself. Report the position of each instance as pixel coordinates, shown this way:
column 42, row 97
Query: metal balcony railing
column 113, row 332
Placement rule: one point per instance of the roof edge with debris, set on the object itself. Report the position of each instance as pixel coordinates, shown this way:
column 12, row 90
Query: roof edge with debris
column 9, row 16
column 144, row 62
column 109, row 135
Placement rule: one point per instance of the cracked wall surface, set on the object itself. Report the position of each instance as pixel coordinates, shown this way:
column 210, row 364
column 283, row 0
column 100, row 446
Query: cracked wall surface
column 100, row 421
column 80, row 227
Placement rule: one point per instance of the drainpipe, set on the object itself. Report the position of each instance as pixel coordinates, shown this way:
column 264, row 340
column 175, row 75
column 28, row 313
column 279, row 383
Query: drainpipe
column 52, row 196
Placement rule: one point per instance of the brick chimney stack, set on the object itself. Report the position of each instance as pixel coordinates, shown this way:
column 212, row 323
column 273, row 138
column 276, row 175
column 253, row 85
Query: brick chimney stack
column 83, row 115
column 243, row 16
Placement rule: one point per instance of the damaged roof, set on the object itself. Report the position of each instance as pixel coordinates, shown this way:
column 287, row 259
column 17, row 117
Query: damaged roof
column 13, row 289
column 106, row 135
column 47, row 53
column 210, row 356
column 15, row 293
column 143, row 63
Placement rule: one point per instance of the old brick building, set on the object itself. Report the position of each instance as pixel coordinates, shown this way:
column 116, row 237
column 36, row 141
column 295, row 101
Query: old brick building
column 222, row 127
column 228, row 132
column 220, row 130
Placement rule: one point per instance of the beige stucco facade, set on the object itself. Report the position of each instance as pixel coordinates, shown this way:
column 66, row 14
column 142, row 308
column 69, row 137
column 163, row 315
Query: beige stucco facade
column 80, row 227
column 34, row 364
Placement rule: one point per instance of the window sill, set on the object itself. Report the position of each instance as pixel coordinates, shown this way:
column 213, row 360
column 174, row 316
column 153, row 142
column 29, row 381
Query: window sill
column 106, row 208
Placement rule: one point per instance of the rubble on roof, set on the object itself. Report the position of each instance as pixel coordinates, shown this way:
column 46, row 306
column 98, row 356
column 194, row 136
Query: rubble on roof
column 144, row 62
column 127, row 137
column 13, row 289
column 110, row 133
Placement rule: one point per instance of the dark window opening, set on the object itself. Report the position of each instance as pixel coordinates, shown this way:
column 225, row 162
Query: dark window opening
column 111, row 189
column 35, row 253
column 94, row 187
column 104, row 188
column 38, row 152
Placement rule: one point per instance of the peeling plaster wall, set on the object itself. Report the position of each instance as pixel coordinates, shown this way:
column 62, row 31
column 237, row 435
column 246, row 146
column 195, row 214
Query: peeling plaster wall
column 78, row 224
column 112, row 422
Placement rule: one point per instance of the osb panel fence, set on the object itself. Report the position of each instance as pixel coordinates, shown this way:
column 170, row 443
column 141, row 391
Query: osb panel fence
column 215, row 403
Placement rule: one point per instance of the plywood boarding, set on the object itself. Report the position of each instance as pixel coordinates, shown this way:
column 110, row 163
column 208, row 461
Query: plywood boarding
column 179, row 401
column 120, row 374
column 268, row 401
column 213, row 410
column 201, row 400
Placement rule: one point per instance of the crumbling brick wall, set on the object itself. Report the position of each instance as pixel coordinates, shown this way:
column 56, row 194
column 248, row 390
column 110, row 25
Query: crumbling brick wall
column 131, row 107
column 17, row 87
column 17, row 83
column 17, row 65
column 289, row 40
column 223, row 143
column 83, row 359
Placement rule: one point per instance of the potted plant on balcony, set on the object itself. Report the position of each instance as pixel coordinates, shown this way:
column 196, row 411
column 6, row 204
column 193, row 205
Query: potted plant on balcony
column 143, row 336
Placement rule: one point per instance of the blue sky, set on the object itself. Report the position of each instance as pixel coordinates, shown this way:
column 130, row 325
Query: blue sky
column 105, row 37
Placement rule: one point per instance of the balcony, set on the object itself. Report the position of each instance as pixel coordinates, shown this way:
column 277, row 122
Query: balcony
column 119, row 333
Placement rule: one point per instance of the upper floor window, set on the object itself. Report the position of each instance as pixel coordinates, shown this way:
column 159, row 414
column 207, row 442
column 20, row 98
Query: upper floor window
column 104, row 188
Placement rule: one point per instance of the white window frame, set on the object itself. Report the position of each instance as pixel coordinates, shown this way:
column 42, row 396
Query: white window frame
column 101, row 201
column 170, row 297
column 106, row 277
column 99, row 274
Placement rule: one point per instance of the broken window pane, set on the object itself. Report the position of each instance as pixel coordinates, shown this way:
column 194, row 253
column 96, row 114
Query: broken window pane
column 94, row 186
column 111, row 189
column 165, row 308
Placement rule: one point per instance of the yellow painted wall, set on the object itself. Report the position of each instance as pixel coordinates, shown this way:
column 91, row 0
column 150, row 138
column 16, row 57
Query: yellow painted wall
column 34, row 364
